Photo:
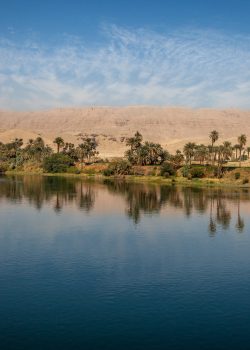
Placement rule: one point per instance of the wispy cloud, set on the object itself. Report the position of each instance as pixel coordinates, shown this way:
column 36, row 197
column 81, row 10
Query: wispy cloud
column 188, row 68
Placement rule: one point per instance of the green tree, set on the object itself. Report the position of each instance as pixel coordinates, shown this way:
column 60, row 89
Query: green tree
column 57, row 163
column 242, row 140
column 214, row 136
column 201, row 153
column 87, row 149
column 36, row 150
column 236, row 148
column 59, row 143
column 135, row 141
column 189, row 151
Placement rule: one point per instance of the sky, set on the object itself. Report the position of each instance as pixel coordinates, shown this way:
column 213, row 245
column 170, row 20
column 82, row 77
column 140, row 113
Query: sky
column 192, row 53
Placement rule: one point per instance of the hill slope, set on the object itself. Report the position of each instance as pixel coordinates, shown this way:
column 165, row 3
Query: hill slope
column 172, row 127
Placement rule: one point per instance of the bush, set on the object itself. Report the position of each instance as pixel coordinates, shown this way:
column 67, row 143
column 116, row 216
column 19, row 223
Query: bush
column 185, row 171
column 197, row 172
column 120, row 167
column 57, row 163
column 108, row 172
column 167, row 169
column 245, row 181
column 73, row 170
column 237, row 176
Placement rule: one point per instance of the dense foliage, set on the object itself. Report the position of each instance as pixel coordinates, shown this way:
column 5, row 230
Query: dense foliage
column 121, row 167
column 192, row 162
column 57, row 163
column 147, row 153
column 167, row 169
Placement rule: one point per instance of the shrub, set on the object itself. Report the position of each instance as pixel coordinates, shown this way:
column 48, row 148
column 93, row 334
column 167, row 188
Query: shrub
column 57, row 163
column 185, row 171
column 167, row 169
column 197, row 172
column 120, row 167
column 73, row 170
column 237, row 176
column 245, row 181
column 108, row 172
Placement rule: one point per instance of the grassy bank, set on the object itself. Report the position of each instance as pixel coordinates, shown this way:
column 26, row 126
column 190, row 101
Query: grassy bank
column 228, row 181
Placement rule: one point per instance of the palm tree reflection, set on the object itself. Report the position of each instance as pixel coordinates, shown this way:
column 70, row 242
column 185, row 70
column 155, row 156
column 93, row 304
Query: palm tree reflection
column 140, row 199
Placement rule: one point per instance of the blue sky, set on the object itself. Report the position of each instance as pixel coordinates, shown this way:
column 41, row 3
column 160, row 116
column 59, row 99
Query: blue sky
column 114, row 52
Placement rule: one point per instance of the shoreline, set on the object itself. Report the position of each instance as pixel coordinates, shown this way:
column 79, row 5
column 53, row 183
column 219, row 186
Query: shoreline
column 159, row 180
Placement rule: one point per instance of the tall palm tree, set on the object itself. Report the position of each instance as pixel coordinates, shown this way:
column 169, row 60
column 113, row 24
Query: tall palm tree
column 236, row 148
column 214, row 136
column 59, row 142
column 242, row 139
column 227, row 150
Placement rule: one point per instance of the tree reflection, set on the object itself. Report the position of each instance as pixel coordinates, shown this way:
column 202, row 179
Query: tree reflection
column 140, row 199
column 40, row 190
column 240, row 221
column 143, row 199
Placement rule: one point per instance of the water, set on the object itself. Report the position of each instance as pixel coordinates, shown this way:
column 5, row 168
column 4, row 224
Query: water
column 87, row 265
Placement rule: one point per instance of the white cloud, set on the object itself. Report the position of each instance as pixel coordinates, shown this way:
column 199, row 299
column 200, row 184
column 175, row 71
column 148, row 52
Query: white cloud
column 188, row 68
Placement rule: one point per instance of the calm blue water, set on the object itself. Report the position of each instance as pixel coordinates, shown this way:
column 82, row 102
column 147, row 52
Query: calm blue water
column 115, row 266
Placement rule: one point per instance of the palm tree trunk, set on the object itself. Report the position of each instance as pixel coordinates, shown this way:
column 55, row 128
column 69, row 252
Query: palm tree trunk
column 212, row 153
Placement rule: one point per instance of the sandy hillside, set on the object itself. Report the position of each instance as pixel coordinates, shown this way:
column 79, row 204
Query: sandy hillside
column 172, row 127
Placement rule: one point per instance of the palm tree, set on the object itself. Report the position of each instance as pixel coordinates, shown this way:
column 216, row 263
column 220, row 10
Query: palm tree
column 59, row 142
column 227, row 150
column 214, row 136
column 224, row 153
column 189, row 150
column 201, row 153
column 242, row 139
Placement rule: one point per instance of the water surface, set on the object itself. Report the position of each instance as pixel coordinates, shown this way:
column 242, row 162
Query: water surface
column 111, row 265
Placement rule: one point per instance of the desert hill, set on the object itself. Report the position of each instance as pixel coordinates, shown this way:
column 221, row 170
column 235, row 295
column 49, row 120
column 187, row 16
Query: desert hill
column 172, row 127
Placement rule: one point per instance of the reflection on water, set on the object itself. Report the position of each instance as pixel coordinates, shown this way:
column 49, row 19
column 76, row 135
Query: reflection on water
column 139, row 199
column 111, row 265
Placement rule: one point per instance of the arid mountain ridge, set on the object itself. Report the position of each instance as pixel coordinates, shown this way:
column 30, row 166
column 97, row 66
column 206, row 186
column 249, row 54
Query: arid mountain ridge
column 172, row 127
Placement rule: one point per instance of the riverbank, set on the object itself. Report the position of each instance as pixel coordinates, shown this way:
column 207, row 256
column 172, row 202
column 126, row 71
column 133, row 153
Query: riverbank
column 174, row 180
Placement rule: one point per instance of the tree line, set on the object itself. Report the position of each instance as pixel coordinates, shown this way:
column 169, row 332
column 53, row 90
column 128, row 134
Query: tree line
column 15, row 154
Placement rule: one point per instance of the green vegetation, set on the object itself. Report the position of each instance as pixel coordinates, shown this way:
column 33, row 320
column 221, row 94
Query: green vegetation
column 168, row 169
column 147, row 153
column 145, row 159
column 121, row 167
column 57, row 163
column 36, row 155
